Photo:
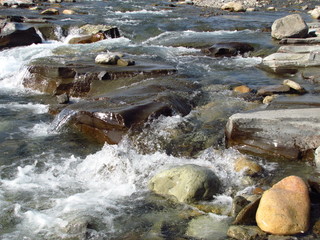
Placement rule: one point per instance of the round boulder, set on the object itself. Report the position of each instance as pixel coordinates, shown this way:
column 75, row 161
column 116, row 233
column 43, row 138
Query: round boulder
column 187, row 183
column 291, row 26
column 285, row 208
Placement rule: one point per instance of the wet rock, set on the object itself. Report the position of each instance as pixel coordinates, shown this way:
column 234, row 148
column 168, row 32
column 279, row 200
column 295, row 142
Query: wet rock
column 317, row 156
column 111, row 31
column 246, row 233
column 242, row 89
column 58, row 75
column 293, row 102
column 305, row 41
column 285, row 208
column 108, row 119
column 208, row 227
column 228, row 49
column 50, row 11
column 238, row 203
column 63, row 98
column 87, row 39
column 291, row 26
column 268, row 99
column 125, row 62
column 249, row 167
column 233, row 7
column 18, row 38
column 274, row 89
column 187, row 183
column 285, row 133
column 247, row 215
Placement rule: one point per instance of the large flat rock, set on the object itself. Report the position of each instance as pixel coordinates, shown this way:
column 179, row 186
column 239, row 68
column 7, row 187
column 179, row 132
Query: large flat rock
column 286, row 133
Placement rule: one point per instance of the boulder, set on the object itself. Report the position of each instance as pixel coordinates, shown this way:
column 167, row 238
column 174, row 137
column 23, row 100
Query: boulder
column 187, row 183
column 107, row 30
column 246, row 233
column 228, row 49
column 291, row 26
column 233, row 7
column 283, row 133
column 285, row 208
column 87, row 39
column 19, row 38
column 77, row 77
column 109, row 117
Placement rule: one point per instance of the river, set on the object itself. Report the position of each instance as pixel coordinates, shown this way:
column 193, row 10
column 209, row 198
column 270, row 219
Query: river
column 58, row 184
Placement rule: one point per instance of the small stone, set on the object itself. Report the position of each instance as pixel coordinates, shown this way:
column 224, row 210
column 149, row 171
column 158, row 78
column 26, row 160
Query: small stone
column 107, row 58
column 285, row 208
column 248, row 166
column 271, row 9
column 123, row 62
column 50, row 11
column 273, row 89
column 246, row 233
column 268, row 99
column 242, row 89
column 294, row 85
column 315, row 13
column 250, row 9
column 68, row 12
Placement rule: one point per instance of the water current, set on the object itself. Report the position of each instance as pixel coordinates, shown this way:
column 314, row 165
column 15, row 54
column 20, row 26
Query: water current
column 57, row 184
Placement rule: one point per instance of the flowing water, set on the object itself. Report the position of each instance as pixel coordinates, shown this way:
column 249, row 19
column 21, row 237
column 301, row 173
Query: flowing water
column 57, row 184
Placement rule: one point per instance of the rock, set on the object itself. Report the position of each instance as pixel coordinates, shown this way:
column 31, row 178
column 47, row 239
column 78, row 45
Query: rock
column 280, row 62
column 17, row 3
column 285, row 133
column 87, row 39
column 247, row 215
column 294, row 85
column 233, row 7
column 109, row 117
column 242, row 89
column 107, row 58
column 63, row 98
column 285, row 208
column 273, row 89
column 317, row 157
column 50, row 11
column 268, row 99
column 228, row 49
column 208, row 227
column 291, row 26
column 238, row 203
column 246, row 233
column 305, row 41
column 187, row 183
column 107, row 30
column 315, row 13
column 125, row 62
column 289, row 102
column 19, row 38
column 251, row 9
column 58, row 75
column 249, row 167
column 68, row 12
column 271, row 9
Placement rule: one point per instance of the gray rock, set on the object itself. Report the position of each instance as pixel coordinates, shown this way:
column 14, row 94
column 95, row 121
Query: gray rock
column 107, row 58
column 291, row 26
column 310, row 40
column 238, row 204
column 247, row 215
column 273, row 89
column 187, row 183
column 286, row 133
column 246, row 233
column 63, row 98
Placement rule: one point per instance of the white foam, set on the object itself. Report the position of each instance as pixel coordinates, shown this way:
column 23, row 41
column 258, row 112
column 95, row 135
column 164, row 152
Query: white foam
column 36, row 108
column 39, row 130
column 144, row 11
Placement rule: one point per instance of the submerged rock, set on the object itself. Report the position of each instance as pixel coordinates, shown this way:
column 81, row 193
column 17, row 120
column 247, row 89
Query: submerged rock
column 285, row 208
column 291, row 26
column 228, row 49
column 246, row 233
column 249, row 167
column 284, row 133
column 187, row 183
